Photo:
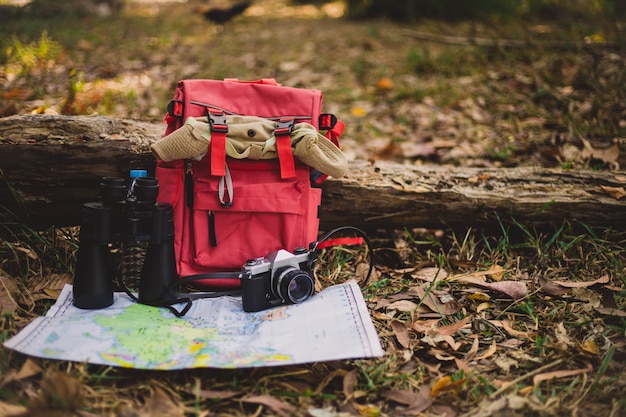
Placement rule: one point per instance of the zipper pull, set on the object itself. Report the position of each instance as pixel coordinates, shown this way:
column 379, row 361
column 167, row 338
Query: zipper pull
column 212, row 234
column 189, row 184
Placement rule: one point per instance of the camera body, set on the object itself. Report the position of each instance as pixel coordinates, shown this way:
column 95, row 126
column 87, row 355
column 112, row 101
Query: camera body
column 279, row 278
column 119, row 218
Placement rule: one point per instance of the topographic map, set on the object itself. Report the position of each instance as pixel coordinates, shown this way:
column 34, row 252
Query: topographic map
column 216, row 333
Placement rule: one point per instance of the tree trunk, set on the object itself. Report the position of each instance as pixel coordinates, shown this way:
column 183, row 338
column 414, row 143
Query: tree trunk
column 55, row 164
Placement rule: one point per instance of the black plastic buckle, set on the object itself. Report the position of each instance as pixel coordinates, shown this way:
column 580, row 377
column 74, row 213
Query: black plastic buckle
column 218, row 122
column 284, row 127
column 327, row 121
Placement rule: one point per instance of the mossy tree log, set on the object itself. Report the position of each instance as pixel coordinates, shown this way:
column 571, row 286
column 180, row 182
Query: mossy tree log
column 55, row 164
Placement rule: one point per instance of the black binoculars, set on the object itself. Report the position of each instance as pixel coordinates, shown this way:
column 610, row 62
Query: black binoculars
column 122, row 218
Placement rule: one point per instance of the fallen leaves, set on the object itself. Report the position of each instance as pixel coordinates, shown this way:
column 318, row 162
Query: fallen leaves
column 548, row 376
column 8, row 295
column 615, row 192
column 279, row 407
column 59, row 395
column 415, row 402
column 402, row 333
column 445, row 384
column 159, row 404
column 514, row 289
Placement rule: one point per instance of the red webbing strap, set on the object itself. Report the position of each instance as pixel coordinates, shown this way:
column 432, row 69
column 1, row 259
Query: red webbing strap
column 340, row 241
column 283, row 147
column 334, row 128
column 334, row 133
column 219, row 129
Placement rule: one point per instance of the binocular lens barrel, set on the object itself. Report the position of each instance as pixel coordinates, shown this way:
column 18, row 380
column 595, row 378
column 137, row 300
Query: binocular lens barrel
column 159, row 268
column 113, row 190
column 146, row 189
column 93, row 283
column 121, row 217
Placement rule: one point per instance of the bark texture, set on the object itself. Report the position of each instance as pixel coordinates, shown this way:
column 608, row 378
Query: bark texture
column 55, row 164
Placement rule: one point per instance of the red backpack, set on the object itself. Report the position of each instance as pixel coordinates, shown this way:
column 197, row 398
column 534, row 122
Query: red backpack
column 264, row 205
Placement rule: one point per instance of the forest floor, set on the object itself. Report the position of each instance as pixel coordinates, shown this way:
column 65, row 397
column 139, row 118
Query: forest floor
column 420, row 93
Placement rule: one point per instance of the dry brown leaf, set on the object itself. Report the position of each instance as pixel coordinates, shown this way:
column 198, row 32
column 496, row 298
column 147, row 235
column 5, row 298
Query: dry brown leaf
column 54, row 282
column 490, row 351
column 349, row 383
column 411, row 149
column 30, row 368
column 497, row 274
column 445, row 384
column 417, row 402
column 473, row 350
column 432, row 301
column 481, row 275
column 434, row 335
column 563, row 339
column 479, row 296
column 442, row 355
column 277, row 406
column 590, row 346
column 384, row 84
column 380, row 316
column 451, row 342
column 216, row 395
column 505, row 363
column 514, row 289
column 560, row 374
column 402, row 333
column 511, row 343
column 11, row 410
column 423, row 326
column 613, row 312
column 366, row 410
column 615, row 192
column 582, row 284
column 400, row 396
column 462, row 365
column 551, row 288
column 8, row 293
column 506, row 325
column 609, row 154
column 430, row 274
column 484, row 306
column 451, row 329
column 59, row 391
column 161, row 405
column 403, row 305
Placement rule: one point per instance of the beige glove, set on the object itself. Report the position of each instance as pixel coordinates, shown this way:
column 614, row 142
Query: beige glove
column 251, row 137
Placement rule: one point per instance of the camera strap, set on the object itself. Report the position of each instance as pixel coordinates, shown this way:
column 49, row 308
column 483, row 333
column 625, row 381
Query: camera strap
column 361, row 238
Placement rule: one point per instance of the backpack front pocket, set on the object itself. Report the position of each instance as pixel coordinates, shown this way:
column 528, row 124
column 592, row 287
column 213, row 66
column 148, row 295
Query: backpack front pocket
column 266, row 214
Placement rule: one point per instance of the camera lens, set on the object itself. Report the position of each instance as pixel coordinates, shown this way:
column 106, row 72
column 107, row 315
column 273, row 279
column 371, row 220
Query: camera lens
column 294, row 285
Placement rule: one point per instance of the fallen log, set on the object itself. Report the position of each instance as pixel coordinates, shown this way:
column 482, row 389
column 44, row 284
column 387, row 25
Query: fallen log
column 54, row 163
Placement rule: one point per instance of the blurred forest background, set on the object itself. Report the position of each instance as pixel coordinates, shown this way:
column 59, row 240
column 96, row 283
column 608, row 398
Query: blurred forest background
column 482, row 82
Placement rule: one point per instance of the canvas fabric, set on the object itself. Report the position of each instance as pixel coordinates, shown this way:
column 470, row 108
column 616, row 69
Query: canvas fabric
column 228, row 209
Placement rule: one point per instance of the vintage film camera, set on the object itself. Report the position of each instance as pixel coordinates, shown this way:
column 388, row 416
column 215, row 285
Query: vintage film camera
column 279, row 278
column 120, row 219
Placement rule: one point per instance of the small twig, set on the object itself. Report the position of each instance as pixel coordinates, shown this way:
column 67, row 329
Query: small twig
column 526, row 376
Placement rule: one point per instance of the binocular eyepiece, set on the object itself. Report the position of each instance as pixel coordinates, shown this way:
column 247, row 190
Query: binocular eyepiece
column 124, row 215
